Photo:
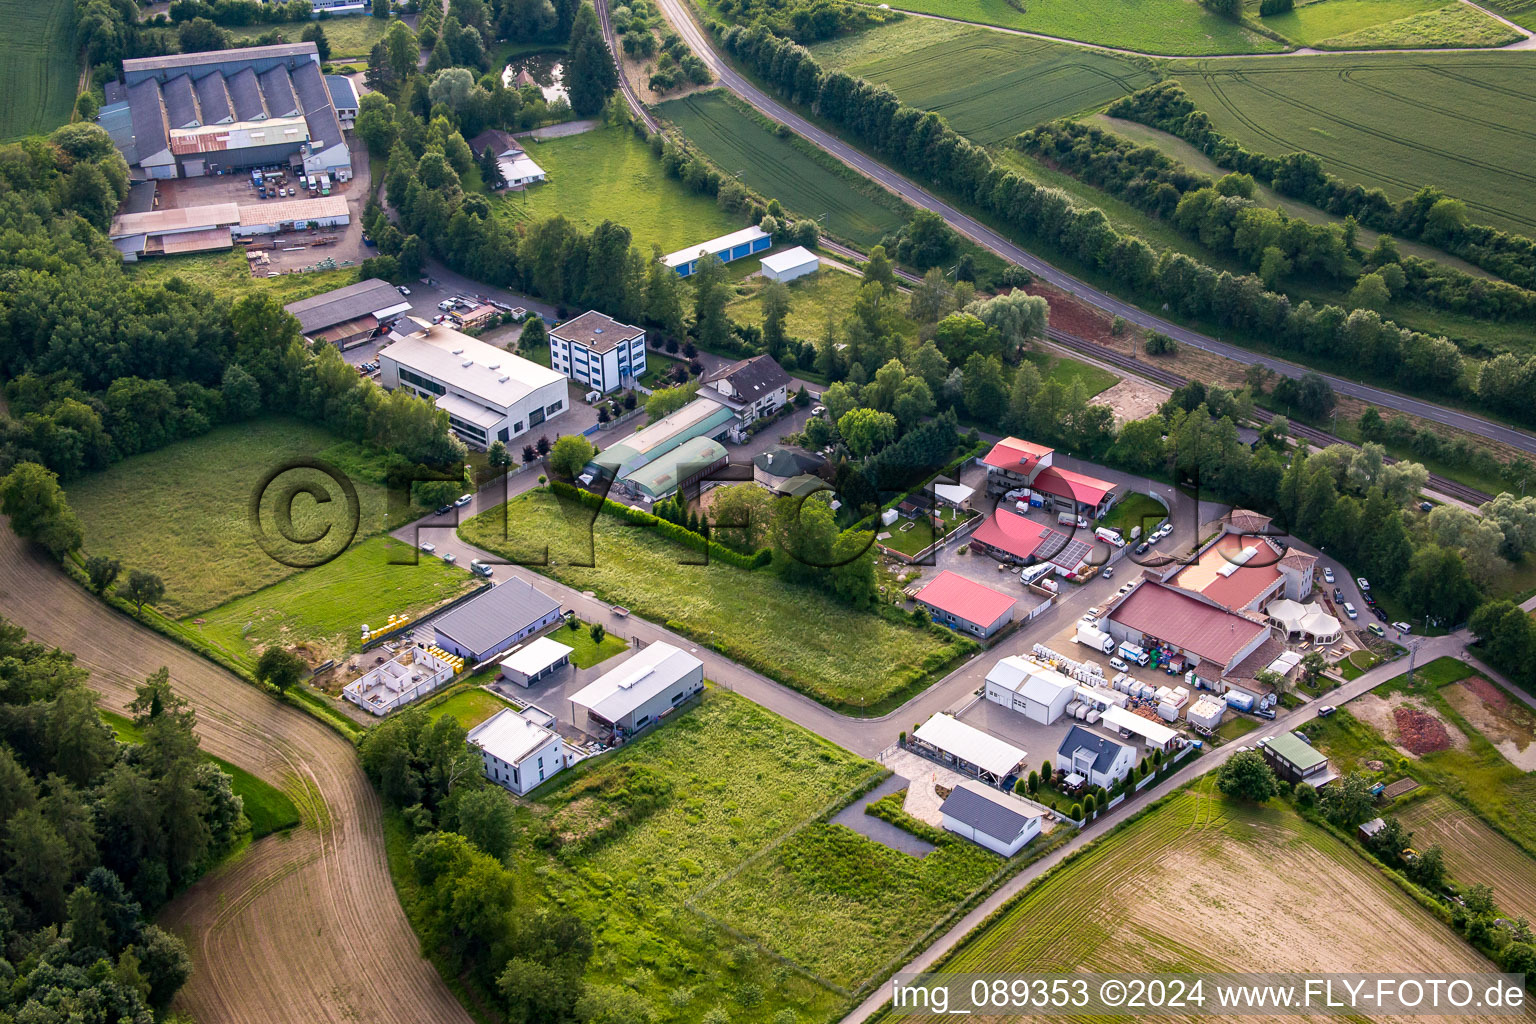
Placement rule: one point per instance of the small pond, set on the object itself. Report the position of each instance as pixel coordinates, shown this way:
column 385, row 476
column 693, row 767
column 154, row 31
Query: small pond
column 545, row 70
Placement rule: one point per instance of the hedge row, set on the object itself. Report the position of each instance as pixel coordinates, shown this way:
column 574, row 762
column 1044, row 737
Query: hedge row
column 697, row 542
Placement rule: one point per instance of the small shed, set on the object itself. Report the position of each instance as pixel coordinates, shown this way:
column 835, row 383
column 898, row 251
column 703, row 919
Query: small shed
column 528, row 664
column 1370, row 828
column 790, row 264
column 989, row 818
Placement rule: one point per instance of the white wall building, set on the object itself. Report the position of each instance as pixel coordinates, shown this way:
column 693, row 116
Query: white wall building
column 532, row 662
column 598, row 351
column 1099, row 759
column 641, row 690
column 1037, row 692
column 790, row 264
column 990, row 818
column 752, row 388
column 727, row 247
column 489, row 394
column 517, row 754
column 412, row 674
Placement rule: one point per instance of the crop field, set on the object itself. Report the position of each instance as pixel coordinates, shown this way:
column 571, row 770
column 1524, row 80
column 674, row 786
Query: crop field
column 608, row 174
column 323, row 608
column 807, row 182
column 1308, row 24
column 846, row 658
column 627, row 842
column 1474, row 852
column 813, row 300
column 226, row 274
column 1171, row 27
column 1463, row 123
column 183, row 511
column 1172, row 892
column 1521, row 12
column 38, row 76
column 1453, row 25
column 349, row 35
column 1011, row 83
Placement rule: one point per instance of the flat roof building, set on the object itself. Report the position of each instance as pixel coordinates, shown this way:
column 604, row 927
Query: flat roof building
column 346, row 316
column 997, row 821
column 489, row 393
column 517, row 754
column 642, row 690
column 727, row 247
column 597, row 350
column 1296, row 760
column 968, row 749
column 176, row 230
column 790, row 264
column 534, row 661
column 493, row 621
column 965, row 606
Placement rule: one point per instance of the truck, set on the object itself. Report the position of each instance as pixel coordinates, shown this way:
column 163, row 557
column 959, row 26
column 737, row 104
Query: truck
column 1111, row 537
column 1130, row 652
column 1090, row 636
column 1068, row 519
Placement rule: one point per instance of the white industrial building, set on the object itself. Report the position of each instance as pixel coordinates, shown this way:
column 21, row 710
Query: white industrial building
column 790, row 264
column 641, row 691
column 968, row 749
column 412, row 674
column 727, row 247
column 532, row 662
column 1098, row 759
column 1155, row 735
column 493, row 621
column 1036, row 691
column 518, row 754
column 186, row 229
column 598, row 351
column 488, row 393
column 1001, row 823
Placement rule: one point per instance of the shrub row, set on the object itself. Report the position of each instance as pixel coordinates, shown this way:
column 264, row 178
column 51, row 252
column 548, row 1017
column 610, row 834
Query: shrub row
column 695, row 541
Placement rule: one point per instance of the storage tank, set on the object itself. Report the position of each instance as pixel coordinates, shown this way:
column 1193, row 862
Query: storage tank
column 1090, row 636
column 1239, row 700
column 1167, row 712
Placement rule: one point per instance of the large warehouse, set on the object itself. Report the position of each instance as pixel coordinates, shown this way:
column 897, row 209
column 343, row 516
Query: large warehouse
column 191, row 114
column 727, row 247
column 674, row 451
column 1036, row 691
column 350, row 315
column 488, row 393
column 489, row 623
column 641, row 691
column 1213, row 640
column 179, row 230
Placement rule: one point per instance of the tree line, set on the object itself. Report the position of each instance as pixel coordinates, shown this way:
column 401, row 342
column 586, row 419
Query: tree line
column 1429, row 214
column 1224, row 216
column 97, row 835
column 923, row 145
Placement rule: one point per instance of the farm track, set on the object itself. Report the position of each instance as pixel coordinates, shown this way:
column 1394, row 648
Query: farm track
column 304, row 928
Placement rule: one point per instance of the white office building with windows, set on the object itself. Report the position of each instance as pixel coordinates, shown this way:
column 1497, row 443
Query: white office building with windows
column 517, row 754
column 598, row 351
column 489, row 394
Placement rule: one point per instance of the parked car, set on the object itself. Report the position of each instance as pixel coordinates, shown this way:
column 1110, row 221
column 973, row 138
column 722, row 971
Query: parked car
column 1375, row 627
column 1141, row 548
column 464, row 499
column 1403, row 627
column 443, row 510
column 1327, row 575
column 1349, row 610
column 1338, row 595
column 1425, row 506
column 479, row 568
column 450, row 557
column 429, row 548
column 1119, row 665
column 402, row 289
column 817, row 410
column 1326, row 710
column 1363, row 583
column 1109, row 572
column 1125, row 588
column 1376, row 611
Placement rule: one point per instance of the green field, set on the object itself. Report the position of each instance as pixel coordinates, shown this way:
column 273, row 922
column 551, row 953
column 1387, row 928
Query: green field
column 1464, row 123
column 1011, row 82
column 1172, row 27
column 470, row 706
column 584, row 652
column 710, row 819
column 324, row 608
column 1067, row 370
column 848, row 659
column 38, row 81
column 267, row 808
column 1135, row 509
column 1521, row 12
column 1474, row 852
column 1307, row 24
column 225, row 274
column 183, row 511
column 608, row 174
column 1171, row 892
column 814, row 299
column 349, row 35
column 785, row 169
column 1446, row 27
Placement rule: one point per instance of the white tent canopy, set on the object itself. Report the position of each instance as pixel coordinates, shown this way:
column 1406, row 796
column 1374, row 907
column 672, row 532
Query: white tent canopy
column 953, row 494
column 1308, row 619
column 965, row 743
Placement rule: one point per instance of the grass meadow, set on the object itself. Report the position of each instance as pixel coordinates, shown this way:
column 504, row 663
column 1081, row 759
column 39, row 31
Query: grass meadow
column 1171, row 27
column 1453, row 25
column 226, row 275
column 184, row 511
column 825, row 295
column 349, row 35
column 785, row 168
column 39, row 75
column 1521, row 12
column 709, row 820
column 1173, row 891
column 852, row 660
column 1067, row 370
column 324, row 608
column 585, row 652
column 1011, row 82
column 1465, row 123
column 470, row 706
column 608, row 174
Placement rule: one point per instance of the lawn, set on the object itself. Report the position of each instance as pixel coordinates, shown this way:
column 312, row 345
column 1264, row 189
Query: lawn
column 1308, row 24
column 1357, row 664
column 828, row 880
column 183, row 511
column 1449, row 26
column 1521, row 12
column 730, row 795
column 226, row 275
column 851, row 660
column 1173, row 27
column 608, row 174
column 1397, row 122
column 1012, row 82
column 1173, row 892
column 1135, row 509
column 1474, row 852
column 1234, row 728
column 469, row 706
column 788, row 169
column 1067, row 370
column 267, row 808
column 585, row 652
column 349, row 35
column 920, row 532
column 324, row 608
column 815, row 299
column 40, row 75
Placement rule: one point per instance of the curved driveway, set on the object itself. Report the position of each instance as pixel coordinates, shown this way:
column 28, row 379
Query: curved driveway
column 679, row 13
column 297, row 929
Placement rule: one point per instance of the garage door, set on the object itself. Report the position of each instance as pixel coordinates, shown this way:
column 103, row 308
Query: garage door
column 193, row 168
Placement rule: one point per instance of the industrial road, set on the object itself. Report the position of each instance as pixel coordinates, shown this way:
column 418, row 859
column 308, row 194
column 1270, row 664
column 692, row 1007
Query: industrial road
column 680, row 14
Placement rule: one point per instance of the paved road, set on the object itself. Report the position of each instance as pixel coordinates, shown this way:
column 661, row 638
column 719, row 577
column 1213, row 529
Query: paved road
column 680, row 15
column 301, row 929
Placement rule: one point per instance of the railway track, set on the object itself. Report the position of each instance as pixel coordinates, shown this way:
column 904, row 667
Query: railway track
column 630, row 96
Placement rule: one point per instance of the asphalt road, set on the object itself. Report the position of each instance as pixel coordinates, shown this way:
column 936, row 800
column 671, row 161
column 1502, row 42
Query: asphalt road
column 681, row 17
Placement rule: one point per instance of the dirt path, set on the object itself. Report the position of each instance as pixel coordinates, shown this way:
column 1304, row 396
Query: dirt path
column 304, row 929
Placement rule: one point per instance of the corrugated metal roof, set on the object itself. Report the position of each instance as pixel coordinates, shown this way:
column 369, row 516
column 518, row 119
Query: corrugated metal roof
column 343, row 304
column 1187, row 623
column 482, row 622
column 509, row 736
column 277, row 90
column 213, row 99
column 985, row 751
column 1296, row 751
column 190, row 60
column 965, row 598
column 648, row 674
column 293, row 211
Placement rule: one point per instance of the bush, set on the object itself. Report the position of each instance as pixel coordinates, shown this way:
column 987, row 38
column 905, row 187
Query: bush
column 1076, row 812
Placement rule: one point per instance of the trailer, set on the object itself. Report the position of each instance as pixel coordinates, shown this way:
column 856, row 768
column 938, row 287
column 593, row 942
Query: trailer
column 1092, row 636
column 1239, row 700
